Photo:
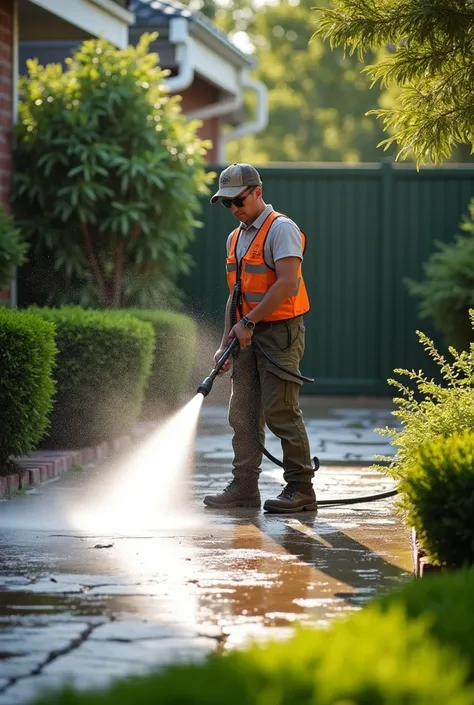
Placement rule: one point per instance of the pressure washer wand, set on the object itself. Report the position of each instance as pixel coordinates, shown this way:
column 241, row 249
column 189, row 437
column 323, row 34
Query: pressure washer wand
column 206, row 386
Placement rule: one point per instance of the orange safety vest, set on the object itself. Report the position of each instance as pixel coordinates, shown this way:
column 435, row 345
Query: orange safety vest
column 256, row 277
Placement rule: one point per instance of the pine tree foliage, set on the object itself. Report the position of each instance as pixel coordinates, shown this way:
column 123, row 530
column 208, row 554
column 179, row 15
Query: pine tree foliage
column 431, row 59
column 318, row 98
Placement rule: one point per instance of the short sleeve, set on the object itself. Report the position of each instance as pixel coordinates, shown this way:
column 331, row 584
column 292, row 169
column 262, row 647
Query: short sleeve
column 227, row 246
column 284, row 240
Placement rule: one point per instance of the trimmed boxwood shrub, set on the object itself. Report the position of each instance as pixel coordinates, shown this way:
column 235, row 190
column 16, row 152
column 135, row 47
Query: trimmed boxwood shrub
column 175, row 336
column 445, row 602
column 104, row 361
column 371, row 658
column 27, row 354
column 437, row 494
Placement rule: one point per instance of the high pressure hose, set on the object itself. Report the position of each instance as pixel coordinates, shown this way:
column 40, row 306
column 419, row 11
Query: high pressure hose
column 315, row 459
column 233, row 349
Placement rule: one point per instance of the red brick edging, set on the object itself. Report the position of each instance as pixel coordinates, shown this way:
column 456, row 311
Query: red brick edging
column 43, row 465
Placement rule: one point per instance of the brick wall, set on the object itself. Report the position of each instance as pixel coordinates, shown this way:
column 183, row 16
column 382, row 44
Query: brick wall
column 6, row 97
column 199, row 95
column 6, row 103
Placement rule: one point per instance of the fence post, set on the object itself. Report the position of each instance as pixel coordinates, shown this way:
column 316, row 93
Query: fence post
column 385, row 275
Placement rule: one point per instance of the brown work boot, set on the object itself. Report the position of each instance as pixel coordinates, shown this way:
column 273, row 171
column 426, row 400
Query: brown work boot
column 295, row 497
column 239, row 493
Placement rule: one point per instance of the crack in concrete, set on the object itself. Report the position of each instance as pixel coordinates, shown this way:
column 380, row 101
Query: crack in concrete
column 53, row 656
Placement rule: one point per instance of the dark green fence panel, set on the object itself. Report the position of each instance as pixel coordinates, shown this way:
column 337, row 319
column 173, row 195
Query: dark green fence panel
column 368, row 227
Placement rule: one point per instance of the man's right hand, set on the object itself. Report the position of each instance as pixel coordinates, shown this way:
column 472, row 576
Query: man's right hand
column 227, row 364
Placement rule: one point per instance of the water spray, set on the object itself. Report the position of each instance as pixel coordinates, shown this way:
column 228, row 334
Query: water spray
column 206, row 387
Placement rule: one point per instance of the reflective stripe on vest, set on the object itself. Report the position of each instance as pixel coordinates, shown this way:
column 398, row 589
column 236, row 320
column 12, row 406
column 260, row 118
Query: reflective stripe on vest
column 256, row 278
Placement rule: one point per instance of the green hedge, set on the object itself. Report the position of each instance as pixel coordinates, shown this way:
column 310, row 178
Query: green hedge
column 374, row 657
column 175, row 336
column 445, row 601
column 437, row 494
column 27, row 355
column 104, row 361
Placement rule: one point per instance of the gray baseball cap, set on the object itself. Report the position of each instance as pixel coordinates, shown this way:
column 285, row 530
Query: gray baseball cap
column 235, row 179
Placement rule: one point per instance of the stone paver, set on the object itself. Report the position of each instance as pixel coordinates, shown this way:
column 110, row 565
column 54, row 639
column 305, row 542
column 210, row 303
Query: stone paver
column 71, row 610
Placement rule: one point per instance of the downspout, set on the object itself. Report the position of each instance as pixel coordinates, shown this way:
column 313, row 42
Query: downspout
column 247, row 128
column 217, row 109
column 179, row 36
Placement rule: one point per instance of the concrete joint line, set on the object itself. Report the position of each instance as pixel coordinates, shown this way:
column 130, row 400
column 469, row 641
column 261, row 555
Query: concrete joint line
column 53, row 656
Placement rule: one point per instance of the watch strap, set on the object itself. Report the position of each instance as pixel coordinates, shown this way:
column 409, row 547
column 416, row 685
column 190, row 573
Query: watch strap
column 247, row 321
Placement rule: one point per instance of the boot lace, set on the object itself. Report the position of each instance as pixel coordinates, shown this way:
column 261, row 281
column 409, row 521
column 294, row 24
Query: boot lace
column 290, row 490
column 231, row 485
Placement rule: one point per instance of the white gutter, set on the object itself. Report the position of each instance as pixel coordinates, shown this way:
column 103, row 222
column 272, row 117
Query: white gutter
column 179, row 35
column 113, row 9
column 248, row 128
column 217, row 109
column 97, row 17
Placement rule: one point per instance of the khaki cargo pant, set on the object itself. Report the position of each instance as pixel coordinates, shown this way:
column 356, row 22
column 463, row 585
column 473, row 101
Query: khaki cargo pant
column 261, row 393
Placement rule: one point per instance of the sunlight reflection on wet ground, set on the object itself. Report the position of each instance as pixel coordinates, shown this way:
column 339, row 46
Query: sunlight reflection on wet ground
column 95, row 604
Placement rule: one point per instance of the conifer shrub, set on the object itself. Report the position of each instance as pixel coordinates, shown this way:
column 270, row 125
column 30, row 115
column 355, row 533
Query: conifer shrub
column 374, row 657
column 427, row 409
column 447, row 291
column 27, row 356
column 444, row 601
column 103, row 364
column 175, row 347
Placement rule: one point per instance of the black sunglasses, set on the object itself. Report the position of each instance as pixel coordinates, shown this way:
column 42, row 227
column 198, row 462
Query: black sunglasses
column 238, row 202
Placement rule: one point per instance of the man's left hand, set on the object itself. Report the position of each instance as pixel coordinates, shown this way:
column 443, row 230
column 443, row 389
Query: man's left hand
column 243, row 335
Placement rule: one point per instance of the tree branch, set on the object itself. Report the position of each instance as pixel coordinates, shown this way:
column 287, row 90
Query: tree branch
column 137, row 229
column 118, row 273
column 89, row 249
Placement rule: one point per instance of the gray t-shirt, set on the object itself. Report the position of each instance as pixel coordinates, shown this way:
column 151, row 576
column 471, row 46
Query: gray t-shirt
column 283, row 240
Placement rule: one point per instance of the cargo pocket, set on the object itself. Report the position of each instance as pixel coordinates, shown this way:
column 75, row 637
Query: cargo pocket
column 292, row 390
column 289, row 335
column 281, row 335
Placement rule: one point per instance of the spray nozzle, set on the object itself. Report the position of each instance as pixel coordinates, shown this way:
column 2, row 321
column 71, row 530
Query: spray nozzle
column 206, row 386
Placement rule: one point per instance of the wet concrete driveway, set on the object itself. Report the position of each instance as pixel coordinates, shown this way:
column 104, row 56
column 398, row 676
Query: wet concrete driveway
column 91, row 607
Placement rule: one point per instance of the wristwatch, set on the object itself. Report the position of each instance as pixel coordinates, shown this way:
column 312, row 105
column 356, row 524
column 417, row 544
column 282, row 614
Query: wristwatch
column 248, row 324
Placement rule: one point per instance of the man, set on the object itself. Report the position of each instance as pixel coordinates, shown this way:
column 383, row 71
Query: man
column 267, row 302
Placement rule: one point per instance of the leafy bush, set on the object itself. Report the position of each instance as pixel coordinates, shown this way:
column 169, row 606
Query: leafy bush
column 108, row 177
column 445, row 603
column 430, row 410
column 175, row 338
column 372, row 658
column 27, row 355
column 12, row 248
column 447, row 292
column 104, row 362
column 438, row 498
